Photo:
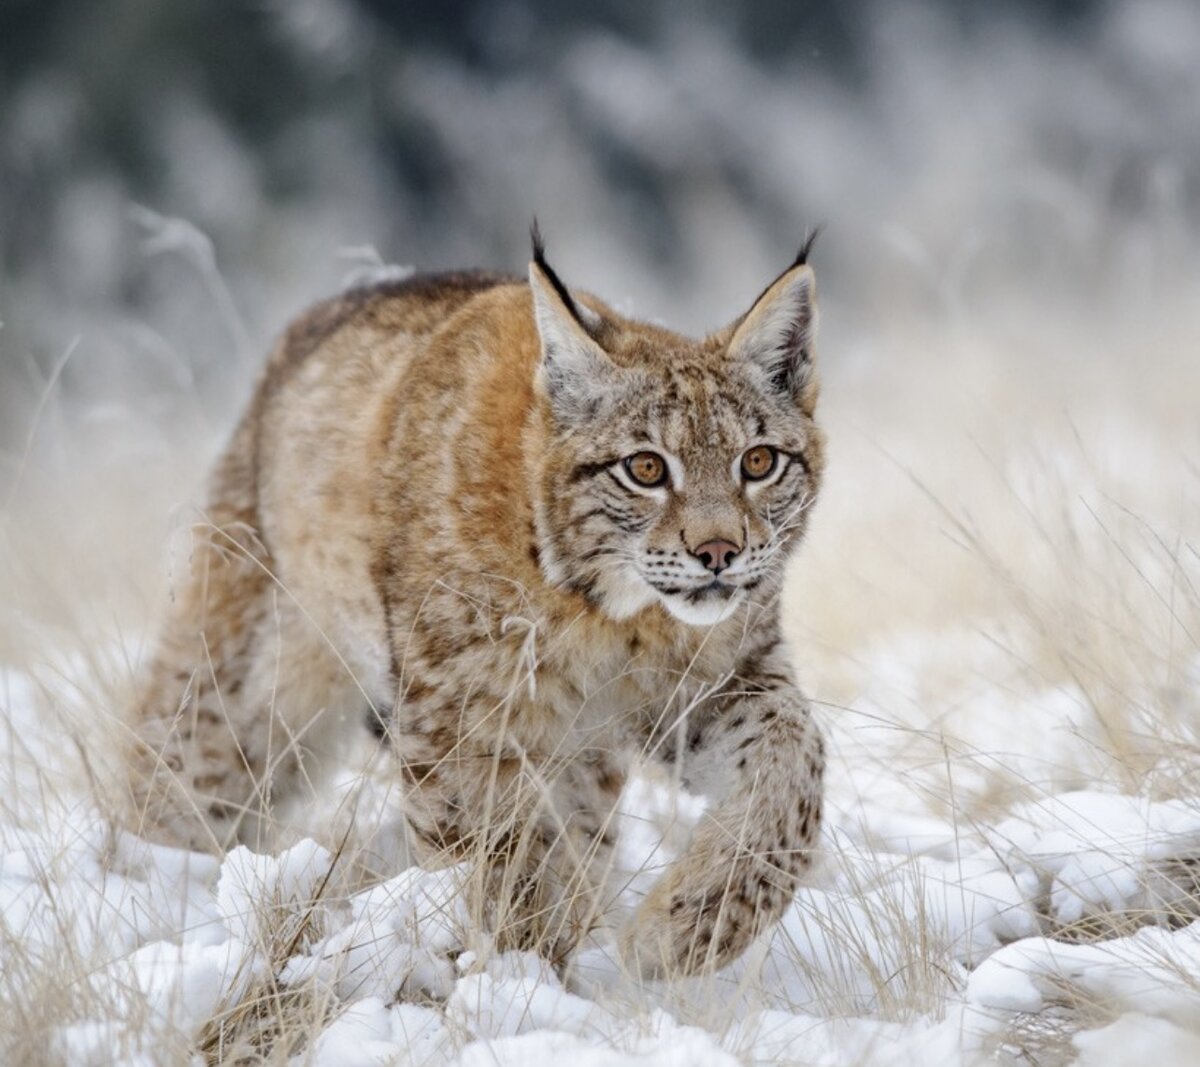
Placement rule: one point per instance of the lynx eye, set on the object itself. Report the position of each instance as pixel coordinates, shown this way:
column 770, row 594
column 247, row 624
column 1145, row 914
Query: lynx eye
column 758, row 462
column 648, row 469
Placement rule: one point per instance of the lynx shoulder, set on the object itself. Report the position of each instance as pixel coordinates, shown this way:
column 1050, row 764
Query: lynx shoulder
column 529, row 540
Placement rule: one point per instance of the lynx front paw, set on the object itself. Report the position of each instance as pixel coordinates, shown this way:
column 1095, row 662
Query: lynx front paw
column 694, row 922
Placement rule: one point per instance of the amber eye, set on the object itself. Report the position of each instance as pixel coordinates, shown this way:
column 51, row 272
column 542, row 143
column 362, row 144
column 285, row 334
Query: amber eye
column 647, row 468
column 758, row 462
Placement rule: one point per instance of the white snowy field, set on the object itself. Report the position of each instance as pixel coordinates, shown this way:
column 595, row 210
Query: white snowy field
column 997, row 613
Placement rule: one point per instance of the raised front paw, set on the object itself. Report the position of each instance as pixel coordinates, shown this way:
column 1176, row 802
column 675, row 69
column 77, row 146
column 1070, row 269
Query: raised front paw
column 700, row 917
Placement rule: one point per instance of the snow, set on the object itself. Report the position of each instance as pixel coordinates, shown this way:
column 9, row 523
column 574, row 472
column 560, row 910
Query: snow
column 783, row 1037
column 919, row 940
column 1135, row 1040
column 370, row 1033
column 400, row 939
column 1100, row 851
column 253, row 888
column 1153, row 970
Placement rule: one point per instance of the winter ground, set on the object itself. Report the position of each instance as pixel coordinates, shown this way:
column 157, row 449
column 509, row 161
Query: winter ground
column 997, row 614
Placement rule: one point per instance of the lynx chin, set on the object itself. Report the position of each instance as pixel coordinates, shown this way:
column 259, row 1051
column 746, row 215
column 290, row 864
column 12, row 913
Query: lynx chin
column 530, row 541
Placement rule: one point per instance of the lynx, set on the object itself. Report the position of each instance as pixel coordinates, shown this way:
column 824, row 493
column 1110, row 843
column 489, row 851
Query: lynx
column 529, row 539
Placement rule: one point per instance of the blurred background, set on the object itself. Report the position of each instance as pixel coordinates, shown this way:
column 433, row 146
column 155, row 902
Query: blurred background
column 177, row 179
column 1009, row 265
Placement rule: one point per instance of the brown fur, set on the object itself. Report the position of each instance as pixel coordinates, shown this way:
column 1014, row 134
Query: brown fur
column 424, row 513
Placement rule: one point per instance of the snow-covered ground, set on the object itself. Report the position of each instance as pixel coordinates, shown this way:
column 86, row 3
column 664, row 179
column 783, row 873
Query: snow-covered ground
column 1059, row 924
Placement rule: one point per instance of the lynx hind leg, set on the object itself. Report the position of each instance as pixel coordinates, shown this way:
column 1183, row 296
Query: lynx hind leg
column 242, row 714
column 242, row 692
column 193, row 781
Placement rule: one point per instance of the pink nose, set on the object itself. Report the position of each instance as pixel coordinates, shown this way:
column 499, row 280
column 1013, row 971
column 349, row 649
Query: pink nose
column 716, row 555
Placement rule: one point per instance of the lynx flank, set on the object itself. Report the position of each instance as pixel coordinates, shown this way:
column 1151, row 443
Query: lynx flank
column 530, row 540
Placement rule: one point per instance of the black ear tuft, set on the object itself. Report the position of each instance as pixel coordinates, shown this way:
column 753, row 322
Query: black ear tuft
column 776, row 334
column 539, row 246
column 539, row 257
column 805, row 249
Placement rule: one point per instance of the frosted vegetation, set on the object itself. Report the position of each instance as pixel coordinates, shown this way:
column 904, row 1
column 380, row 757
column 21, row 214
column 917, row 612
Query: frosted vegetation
column 998, row 610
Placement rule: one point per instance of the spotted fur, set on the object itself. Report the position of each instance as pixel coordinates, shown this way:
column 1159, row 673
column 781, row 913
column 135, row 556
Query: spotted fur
column 425, row 520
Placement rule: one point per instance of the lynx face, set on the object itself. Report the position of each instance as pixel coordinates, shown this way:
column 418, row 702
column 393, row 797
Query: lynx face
column 679, row 471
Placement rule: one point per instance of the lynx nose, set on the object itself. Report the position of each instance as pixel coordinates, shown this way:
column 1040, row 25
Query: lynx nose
column 716, row 555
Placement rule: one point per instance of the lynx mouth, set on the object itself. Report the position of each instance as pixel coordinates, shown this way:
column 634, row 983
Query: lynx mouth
column 716, row 589
column 706, row 605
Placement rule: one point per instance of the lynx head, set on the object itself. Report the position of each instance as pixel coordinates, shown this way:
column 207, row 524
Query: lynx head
column 675, row 470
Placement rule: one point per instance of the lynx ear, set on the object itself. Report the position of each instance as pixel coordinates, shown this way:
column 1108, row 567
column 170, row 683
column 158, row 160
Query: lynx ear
column 777, row 333
column 575, row 371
